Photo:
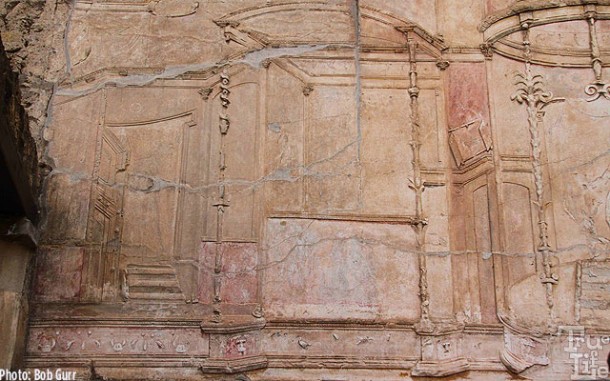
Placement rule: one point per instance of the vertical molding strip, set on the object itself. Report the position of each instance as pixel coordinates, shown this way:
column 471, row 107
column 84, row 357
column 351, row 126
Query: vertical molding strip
column 598, row 88
column 417, row 185
column 222, row 203
column 532, row 92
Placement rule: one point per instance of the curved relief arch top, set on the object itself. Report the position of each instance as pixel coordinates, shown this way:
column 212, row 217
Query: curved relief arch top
column 287, row 25
column 559, row 33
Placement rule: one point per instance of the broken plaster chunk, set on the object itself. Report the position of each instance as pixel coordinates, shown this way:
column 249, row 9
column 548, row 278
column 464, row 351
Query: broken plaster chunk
column 174, row 8
column 47, row 134
column 274, row 127
column 13, row 41
column 141, row 183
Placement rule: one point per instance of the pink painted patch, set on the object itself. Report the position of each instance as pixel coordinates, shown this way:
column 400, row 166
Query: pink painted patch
column 58, row 274
column 238, row 278
column 467, row 94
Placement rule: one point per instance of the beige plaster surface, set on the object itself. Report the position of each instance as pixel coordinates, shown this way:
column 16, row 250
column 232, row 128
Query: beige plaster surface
column 325, row 190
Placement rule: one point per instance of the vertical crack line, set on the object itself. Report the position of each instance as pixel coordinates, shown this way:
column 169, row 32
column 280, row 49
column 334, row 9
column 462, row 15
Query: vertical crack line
column 66, row 41
column 358, row 89
column 43, row 156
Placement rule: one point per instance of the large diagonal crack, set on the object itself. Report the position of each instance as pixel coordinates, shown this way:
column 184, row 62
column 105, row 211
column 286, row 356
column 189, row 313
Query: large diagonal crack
column 253, row 58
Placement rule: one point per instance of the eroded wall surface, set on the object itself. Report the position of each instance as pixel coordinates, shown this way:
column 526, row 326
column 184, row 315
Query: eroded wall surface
column 327, row 190
column 32, row 63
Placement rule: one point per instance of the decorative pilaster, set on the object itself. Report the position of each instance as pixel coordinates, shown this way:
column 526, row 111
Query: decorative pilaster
column 417, row 185
column 598, row 88
column 222, row 203
column 531, row 92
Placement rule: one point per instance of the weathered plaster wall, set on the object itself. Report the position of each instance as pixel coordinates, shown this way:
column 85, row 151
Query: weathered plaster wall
column 33, row 62
column 31, row 33
column 14, row 262
column 317, row 190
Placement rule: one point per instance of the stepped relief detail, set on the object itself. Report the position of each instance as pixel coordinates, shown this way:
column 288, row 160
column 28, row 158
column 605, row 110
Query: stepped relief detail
column 137, row 215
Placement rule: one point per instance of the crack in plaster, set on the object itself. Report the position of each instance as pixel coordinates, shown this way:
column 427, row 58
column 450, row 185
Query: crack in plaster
column 66, row 43
column 279, row 174
column 252, row 58
column 370, row 243
column 358, row 92
column 367, row 244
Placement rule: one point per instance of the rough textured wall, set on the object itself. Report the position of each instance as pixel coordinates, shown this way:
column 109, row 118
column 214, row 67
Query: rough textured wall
column 326, row 190
column 33, row 62
column 15, row 259
column 18, row 147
